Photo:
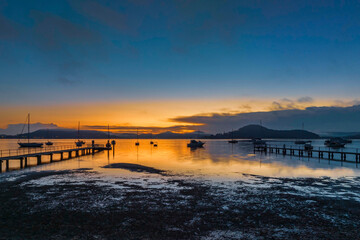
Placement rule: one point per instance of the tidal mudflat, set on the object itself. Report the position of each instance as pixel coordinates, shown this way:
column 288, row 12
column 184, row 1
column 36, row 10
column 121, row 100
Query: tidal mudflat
column 155, row 204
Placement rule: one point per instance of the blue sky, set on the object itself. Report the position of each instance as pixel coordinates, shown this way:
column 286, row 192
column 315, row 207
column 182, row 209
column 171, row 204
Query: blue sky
column 84, row 51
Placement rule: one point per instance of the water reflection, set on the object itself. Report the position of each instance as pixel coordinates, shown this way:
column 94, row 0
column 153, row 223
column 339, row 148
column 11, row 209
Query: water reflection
column 217, row 159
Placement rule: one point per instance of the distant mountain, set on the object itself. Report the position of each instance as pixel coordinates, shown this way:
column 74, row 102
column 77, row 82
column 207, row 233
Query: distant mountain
column 250, row 131
column 91, row 134
column 355, row 136
column 64, row 134
column 257, row 131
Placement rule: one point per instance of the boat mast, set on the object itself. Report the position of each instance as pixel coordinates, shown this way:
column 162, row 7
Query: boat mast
column 79, row 130
column 28, row 127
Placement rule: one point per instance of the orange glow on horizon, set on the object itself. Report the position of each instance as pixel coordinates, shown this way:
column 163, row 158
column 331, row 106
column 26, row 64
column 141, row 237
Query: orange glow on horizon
column 147, row 114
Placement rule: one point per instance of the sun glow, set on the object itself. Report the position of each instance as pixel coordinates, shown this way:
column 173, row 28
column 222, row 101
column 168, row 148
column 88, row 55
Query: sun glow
column 147, row 116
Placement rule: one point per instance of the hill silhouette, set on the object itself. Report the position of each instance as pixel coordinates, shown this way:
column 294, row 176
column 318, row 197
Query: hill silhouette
column 257, row 131
column 249, row 131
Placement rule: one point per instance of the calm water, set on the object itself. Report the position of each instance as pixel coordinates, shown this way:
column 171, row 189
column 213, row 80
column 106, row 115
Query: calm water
column 218, row 159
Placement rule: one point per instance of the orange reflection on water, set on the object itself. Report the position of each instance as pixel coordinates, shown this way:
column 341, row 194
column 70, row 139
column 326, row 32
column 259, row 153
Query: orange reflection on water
column 217, row 159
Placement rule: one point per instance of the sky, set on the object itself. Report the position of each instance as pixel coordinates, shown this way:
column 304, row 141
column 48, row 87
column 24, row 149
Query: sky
column 162, row 64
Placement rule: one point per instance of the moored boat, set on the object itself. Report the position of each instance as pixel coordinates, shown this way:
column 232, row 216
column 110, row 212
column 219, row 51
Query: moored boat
column 308, row 147
column 195, row 144
column 301, row 142
column 232, row 138
column 258, row 141
column 79, row 142
column 28, row 143
column 335, row 142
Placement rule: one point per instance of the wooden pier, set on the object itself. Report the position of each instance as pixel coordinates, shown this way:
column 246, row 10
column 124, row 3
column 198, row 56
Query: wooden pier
column 65, row 152
column 334, row 154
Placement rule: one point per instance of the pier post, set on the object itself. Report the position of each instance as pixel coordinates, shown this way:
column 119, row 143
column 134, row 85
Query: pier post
column 26, row 161
column 77, row 153
column 51, row 158
column 7, row 165
column 21, row 162
column 0, row 166
column 61, row 156
column 69, row 154
column 38, row 159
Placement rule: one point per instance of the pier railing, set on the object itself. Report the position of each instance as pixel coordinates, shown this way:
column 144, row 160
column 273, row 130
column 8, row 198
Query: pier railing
column 317, row 148
column 336, row 154
column 23, row 151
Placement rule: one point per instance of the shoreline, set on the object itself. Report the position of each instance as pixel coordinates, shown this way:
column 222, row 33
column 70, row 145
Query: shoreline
column 82, row 204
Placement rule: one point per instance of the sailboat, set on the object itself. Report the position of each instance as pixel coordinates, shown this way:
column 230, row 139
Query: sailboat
column 232, row 138
column 48, row 143
column 29, row 144
column 151, row 141
column 79, row 142
column 302, row 141
column 137, row 137
column 108, row 144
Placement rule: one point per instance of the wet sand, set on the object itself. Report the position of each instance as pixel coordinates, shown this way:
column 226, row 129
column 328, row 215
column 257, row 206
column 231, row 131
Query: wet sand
column 81, row 204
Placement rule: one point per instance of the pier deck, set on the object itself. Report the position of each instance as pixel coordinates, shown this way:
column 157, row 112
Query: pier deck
column 23, row 154
column 341, row 154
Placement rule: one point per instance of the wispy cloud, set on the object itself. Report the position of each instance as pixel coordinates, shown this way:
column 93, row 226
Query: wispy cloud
column 17, row 128
column 53, row 31
column 8, row 28
column 319, row 119
column 143, row 129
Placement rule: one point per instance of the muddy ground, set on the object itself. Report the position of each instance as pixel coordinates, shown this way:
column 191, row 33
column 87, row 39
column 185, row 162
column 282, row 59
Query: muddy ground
column 82, row 204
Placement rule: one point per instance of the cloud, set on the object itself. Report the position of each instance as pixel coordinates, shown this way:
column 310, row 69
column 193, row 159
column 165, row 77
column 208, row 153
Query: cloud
column 125, row 128
column 13, row 129
column 318, row 119
column 67, row 81
column 8, row 28
column 101, row 13
column 305, row 100
column 52, row 31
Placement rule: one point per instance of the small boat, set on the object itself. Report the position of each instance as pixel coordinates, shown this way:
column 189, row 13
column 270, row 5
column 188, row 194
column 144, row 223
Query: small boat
column 258, row 141
column 29, row 144
column 137, row 138
column 113, row 142
column 155, row 144
column 195, row 144
column 308, row 147
column 232, row 138
column 79, row 142
column 48, row 143
column 151, row 141
column 335, row 143
column 108, row 144
column 301, row 142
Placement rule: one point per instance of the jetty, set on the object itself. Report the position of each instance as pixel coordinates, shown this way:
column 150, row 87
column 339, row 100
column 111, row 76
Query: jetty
column 23, row 155
column 340, row 154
